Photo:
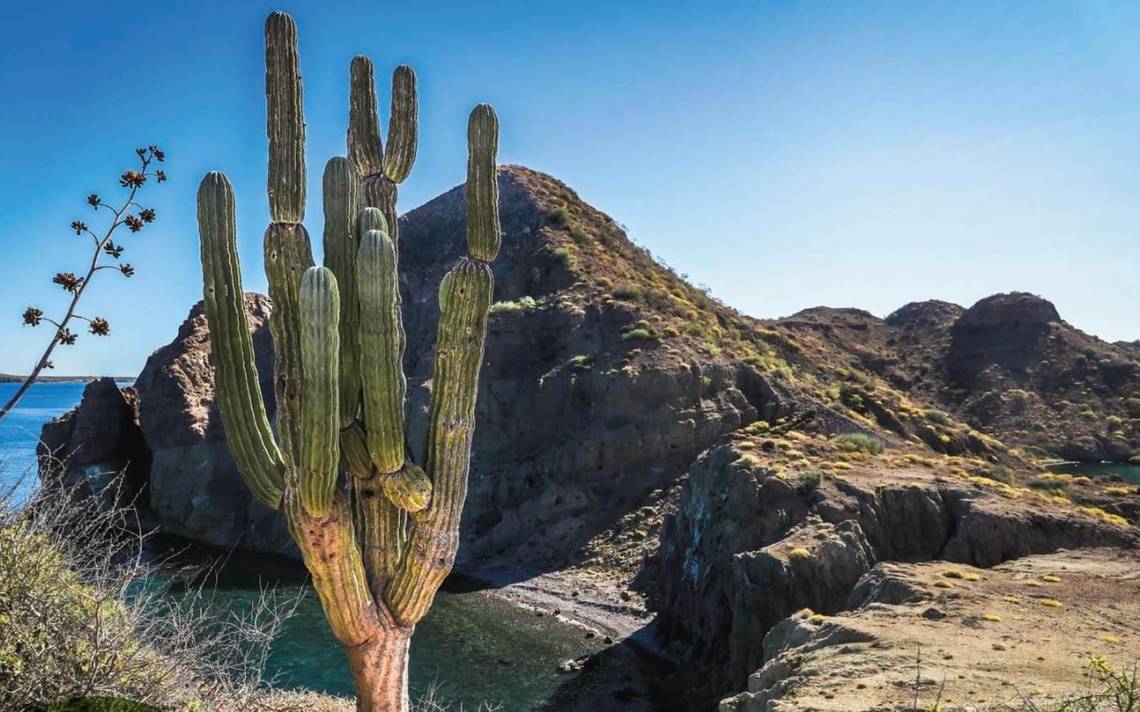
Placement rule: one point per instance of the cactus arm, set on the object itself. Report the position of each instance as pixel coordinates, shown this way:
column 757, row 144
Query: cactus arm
column 287, row 256
column 381, row 350
column 285, row 120
column 464, row 299
column 379, row 192
column 328, row 548
column 403, row 126
column 320, row 423
column 483, row 230
column 341, row 184
column 247, row 428
column 383, row 532
column 365, row 147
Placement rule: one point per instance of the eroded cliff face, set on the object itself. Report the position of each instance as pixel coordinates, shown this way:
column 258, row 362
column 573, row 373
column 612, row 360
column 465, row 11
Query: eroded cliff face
column 956, row 636
column 577, row 421
column 766, row 526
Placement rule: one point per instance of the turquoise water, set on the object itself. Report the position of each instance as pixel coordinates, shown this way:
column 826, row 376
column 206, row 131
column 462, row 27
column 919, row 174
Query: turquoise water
column 20, row 431
column 471, row 647
column 1129, row 473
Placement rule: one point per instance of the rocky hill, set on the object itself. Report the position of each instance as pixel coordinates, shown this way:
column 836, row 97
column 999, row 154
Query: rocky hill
column 650, row 445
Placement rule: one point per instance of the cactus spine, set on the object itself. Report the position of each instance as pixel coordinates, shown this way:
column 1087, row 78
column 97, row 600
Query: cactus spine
column 379, row 548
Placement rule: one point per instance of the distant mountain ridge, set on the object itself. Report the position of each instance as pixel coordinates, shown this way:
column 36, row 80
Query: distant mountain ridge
column 13, row 378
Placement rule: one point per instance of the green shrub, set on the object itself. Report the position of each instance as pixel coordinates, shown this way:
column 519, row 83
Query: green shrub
column 581, row 362
column 639, row 333
column 101, row 704
column 860, row 441
column 558, row 216
column 937, row 416
column 519, row 305
column 628, row 292
column 568, row 256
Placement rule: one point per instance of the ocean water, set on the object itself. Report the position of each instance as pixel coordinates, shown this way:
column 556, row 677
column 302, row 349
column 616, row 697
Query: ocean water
column 470, row 647
column 20, row 431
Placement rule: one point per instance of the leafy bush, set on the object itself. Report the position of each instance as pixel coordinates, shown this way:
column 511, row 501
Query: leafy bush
column 937, row 416
column 581, row 362
column 568, row 256
column 628, row 292
column 558, row 216
column 82, row 614
column 520, row 305
column 860, row 441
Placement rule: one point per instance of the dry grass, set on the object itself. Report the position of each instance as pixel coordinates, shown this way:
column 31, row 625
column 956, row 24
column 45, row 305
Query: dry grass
column 82, row 613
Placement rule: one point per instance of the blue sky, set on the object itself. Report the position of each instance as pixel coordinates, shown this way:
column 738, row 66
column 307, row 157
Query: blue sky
column 784, row 154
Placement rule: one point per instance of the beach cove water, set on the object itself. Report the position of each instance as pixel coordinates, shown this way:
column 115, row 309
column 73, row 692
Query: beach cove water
column 472, row 648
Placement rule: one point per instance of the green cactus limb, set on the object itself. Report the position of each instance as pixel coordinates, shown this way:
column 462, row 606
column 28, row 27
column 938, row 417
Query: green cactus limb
column 287, row 256
column 286, row 121
column 384, row 532
column 328, row 548
column 320, row 422
column 483, row 230
column 247, row 427
column 403, row 126
column 409, row 489
column 354, row 451
column 381, row 350
column 380, row 192
column 464, row 300
column 341, row 186
column 371, row 219
column 365, row 146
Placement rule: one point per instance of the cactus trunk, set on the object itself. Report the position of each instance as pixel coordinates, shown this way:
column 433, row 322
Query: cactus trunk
column 380, row 541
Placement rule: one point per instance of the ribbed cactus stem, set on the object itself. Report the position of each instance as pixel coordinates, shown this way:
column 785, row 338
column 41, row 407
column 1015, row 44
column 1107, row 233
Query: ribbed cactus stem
column 409, row 489
column 483, row 230
column 285, row 120
column 464, row 300
column 381, row 193
column 364, row 143
column 320, row 421
column 370, row 219
column 247, row 427
column 381, row 351
column 328, row 548
column 341, row 186
column 403, row 126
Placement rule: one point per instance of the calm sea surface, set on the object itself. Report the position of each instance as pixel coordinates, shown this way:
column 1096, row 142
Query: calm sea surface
column 471, row 647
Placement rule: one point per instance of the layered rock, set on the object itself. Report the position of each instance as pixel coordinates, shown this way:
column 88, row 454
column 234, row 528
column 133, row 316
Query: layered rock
column 89, row 447
column 766, row 526
column 577, row 421
column 956, row 637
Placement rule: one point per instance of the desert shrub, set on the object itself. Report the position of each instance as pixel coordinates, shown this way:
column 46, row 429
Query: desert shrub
column 627, row 292
column 1000, row 473
column 581, row 362
column 83, row 614
column 558, row 216
column 101, row 704
column 937, row 416
column 514, row 307
column 860, row 441
column 567, row 255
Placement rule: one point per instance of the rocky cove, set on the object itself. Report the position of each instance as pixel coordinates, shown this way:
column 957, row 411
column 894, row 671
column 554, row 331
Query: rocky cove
column 682, row 479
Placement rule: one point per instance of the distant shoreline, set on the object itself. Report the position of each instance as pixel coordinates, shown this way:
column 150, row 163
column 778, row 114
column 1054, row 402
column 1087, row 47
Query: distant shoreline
column 9, row 378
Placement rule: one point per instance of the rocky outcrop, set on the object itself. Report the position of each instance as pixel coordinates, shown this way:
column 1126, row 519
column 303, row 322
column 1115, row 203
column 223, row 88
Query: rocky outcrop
column 194, row 486
column 1009, row 367
column 577, row 422
column 955, row 636
column 1002, row 331
column 756, row 537
column 93, row 444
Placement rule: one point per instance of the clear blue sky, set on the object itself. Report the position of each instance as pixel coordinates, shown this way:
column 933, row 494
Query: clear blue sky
column 786, row 154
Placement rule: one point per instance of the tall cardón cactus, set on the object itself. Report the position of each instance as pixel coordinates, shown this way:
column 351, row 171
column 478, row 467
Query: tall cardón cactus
column 380, row 539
